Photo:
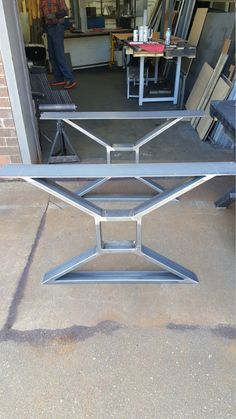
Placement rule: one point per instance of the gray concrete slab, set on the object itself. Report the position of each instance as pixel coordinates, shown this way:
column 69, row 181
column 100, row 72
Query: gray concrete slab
column 115, row 351
column 145, row 373
column 21, row 210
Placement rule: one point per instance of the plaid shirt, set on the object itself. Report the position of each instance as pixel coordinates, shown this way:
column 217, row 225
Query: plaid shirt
column 47, row 7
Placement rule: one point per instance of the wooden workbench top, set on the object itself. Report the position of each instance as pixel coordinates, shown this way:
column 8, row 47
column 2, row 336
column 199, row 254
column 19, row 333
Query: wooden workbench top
column 97, row 32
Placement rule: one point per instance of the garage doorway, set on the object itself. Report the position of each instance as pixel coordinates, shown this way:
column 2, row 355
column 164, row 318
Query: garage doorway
column 16, row 73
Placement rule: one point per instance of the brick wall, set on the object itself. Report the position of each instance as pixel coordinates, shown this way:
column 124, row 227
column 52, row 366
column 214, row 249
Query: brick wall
column 9, row 147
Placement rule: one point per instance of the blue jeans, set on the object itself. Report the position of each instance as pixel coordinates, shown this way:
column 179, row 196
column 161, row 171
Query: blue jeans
column 60, row 68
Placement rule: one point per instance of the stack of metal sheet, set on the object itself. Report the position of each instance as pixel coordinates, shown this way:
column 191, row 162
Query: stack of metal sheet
column 184, row 18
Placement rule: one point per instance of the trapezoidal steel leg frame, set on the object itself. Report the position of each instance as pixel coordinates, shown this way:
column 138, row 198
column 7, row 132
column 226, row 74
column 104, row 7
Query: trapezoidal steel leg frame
column 46, row 177
column 65, row 273
column 171, row 117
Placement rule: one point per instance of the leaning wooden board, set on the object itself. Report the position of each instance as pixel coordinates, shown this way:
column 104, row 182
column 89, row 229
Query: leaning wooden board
column 197, row 26
column 220, row 92
column 199, row 87
column 194, row 36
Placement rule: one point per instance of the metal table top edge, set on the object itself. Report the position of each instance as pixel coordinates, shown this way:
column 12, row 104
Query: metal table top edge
column 187, row 114
column 94, row 171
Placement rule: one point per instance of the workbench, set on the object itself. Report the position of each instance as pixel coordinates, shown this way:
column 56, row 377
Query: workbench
column 176, row 51
column 91, row 48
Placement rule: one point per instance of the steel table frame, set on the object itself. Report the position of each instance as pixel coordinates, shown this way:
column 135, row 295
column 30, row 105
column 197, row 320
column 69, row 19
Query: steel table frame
column 174, row 98
column 142, row 55
column 172, row 118
column 45, row 177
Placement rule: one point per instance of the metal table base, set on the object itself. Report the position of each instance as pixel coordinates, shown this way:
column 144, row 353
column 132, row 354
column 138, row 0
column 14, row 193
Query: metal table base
column 45, row 177
column 173, row 98
column 172, row 118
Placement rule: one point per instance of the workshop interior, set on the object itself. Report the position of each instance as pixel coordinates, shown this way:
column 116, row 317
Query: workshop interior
column 151, row 55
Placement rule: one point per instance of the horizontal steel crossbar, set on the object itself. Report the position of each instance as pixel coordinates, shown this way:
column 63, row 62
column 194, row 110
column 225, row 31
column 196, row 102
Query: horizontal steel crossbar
column 123, row 115
column 93, row 171
column 120, row 277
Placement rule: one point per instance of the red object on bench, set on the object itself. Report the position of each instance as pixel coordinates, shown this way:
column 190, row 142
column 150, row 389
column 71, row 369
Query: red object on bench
column 150, row 47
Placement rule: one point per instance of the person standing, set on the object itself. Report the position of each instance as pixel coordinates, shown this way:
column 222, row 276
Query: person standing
column 52, row 14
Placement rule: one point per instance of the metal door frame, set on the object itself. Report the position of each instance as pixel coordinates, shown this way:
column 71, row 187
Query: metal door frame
column 16, row 73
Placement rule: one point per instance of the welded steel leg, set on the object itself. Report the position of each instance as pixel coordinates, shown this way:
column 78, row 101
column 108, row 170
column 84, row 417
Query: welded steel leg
column 152, row 184
column 91, row 186
column 65, row 273
column 177, row 80
column 169, row 195
column 156, row 70
column 88, row 134
column 181, row 102
column 171, row 266
column 141, row 80
column 157, row 131
column 69, row 266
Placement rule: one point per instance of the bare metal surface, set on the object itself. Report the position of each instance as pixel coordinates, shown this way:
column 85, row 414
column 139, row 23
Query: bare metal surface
column 119, row 170
column 122, row 115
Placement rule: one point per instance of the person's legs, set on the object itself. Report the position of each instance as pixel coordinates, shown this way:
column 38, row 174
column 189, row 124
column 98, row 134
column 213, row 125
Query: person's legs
column 60, row 54
column 57, row 74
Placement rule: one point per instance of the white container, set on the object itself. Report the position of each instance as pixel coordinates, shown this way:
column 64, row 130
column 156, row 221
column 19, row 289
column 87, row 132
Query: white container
column 167, row 37
column 140, row 33
column 135, row 35
column 145, row 33
column 119, row 58
column 150, row 33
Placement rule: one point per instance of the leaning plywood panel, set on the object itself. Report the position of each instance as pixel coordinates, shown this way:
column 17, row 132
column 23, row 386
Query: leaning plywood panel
column 220, row 92
column 199, row 87
column 217, row 27
column 194, row 36
column 197, row 26
column 213, row 80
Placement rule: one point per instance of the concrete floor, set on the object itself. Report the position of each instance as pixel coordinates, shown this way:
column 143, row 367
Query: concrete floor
column 119, row 351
